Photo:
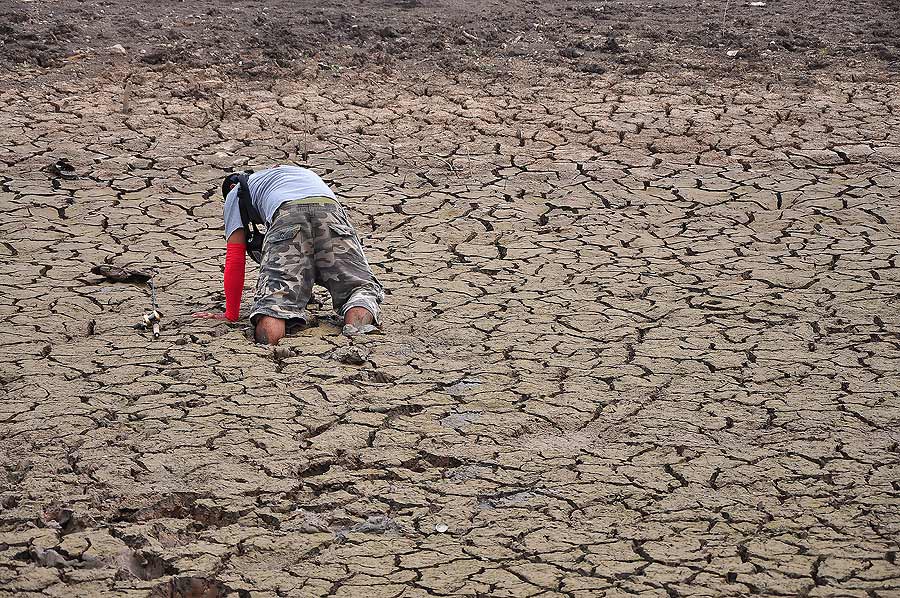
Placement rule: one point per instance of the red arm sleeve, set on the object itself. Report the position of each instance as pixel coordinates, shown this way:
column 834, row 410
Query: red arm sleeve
column 235, row 259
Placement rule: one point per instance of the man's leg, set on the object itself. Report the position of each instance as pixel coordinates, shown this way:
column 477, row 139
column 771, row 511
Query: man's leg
column 342, row 268
column 286, row 275
column 269, row 330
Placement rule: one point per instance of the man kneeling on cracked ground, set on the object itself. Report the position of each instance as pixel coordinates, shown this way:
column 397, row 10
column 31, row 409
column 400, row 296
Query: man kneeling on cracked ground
column 308, row 240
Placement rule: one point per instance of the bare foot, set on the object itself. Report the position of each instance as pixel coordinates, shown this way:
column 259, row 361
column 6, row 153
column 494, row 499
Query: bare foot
column 358, row 317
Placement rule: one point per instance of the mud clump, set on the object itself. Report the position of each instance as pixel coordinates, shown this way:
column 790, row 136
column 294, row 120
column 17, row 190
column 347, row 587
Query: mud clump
column 352, row 354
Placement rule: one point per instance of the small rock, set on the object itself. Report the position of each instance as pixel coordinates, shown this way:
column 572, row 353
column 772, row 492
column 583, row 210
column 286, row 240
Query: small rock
column 388, row 33
column 118, row 49
column 62, row 169
column 441, row 528
column 280, row 353
column 369, row 376
column 376, row 524
column 571, row 52
column 351, row 330
column 732, row 53
column 351, row 355
column 593, row 68
column 612, row 44
column 884, row 53
column 51, row 558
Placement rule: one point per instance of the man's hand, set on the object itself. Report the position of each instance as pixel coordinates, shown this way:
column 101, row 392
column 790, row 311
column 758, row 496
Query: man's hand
column 209, row 315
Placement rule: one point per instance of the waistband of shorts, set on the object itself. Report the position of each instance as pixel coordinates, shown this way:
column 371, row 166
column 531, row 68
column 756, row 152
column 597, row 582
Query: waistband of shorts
column 313, row 199
column 314, row 202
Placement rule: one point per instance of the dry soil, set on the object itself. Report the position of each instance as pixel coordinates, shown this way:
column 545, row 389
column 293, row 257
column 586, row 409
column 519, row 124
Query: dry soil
column 642, row 332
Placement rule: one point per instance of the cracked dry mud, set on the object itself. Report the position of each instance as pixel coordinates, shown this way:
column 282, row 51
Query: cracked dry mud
column 641, row 339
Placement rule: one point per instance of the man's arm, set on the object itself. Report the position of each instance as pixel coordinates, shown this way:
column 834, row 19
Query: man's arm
column 235, row 261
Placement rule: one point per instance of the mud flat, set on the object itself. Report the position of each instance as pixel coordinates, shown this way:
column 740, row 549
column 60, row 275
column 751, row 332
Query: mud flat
column 642, row 329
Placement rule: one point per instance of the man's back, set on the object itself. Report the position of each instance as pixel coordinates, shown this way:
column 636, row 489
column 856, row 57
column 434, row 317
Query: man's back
column 272, row 187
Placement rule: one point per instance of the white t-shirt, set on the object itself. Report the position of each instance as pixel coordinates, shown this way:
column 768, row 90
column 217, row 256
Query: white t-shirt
column 272, row 187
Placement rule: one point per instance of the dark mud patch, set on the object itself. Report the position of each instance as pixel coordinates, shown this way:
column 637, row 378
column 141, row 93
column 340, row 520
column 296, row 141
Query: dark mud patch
column 257, row 41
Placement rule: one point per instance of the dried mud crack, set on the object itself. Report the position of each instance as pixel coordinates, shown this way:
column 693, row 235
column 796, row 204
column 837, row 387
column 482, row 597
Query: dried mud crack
column 641, row 339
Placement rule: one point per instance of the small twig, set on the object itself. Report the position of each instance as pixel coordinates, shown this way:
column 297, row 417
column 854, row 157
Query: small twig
column 151, row 321
column 724, row 16
column 126, row 96
column 447, row 162
column 349, row 155
column 467, row 166
column 356, row 142
column 153, row 293
column 305, row 137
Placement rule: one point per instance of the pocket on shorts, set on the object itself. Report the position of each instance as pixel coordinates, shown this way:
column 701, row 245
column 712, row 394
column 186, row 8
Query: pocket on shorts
column 342, row 230
column 277, row 236
column 345, row 244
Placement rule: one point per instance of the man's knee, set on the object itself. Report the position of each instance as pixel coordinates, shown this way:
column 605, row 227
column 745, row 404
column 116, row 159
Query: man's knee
column 269, row 330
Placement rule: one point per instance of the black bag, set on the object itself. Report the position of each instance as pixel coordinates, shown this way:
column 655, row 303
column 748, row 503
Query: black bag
column 250, row 218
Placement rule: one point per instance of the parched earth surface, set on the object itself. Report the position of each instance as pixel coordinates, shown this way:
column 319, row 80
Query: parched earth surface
column 641, row 334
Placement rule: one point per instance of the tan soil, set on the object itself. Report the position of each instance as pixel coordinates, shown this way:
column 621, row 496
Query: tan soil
column 642, row 329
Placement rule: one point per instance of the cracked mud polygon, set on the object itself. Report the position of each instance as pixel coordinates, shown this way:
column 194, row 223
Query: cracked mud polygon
column 641, row 336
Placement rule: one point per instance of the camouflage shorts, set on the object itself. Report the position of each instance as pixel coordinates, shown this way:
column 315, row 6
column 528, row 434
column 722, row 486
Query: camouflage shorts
column 308, row 244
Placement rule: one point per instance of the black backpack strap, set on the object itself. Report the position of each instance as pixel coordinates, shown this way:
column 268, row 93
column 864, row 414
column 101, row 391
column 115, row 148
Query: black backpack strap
column 249, row 219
